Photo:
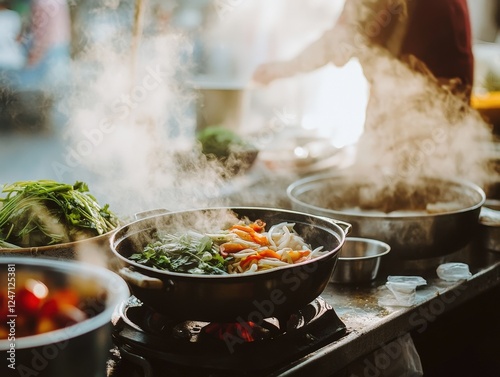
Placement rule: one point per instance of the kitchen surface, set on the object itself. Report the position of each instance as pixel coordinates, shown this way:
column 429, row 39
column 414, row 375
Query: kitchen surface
column 372, row 337
column 378, row 200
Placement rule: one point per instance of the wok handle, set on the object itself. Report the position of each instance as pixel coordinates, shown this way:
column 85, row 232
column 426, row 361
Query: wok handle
column 346, row 227
column 140, row 280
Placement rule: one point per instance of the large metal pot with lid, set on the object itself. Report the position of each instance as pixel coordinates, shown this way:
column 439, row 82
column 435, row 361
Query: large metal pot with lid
column 271, row 293
column 420, row 218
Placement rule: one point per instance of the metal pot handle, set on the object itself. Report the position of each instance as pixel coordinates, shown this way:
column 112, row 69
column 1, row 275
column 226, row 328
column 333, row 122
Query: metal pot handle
column 140, row 280
column 151, row 212
column 346, row 227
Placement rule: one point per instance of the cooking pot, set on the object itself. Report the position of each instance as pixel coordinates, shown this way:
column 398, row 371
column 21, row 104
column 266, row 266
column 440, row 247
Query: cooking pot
column 271, row 293
column 81, row 349
column 420, row 218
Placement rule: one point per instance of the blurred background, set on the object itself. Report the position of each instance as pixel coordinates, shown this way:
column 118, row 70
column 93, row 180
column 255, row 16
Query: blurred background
column 106, row 58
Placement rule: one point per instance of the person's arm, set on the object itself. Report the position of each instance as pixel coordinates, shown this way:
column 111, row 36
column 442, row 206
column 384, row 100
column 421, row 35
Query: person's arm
column 361, row 23
column 39, row 23
column 316, row 55
column 312, row 57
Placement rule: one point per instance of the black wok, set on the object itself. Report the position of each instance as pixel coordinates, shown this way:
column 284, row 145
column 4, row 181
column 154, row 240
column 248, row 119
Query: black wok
column 250, row 297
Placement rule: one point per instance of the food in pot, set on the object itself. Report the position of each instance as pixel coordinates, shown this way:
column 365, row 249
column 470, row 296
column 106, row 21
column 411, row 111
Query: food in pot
column 228, row 148
column 243, row 247
column 45, row 212
column 220, row 141
column 393, row 198
column 36, row 309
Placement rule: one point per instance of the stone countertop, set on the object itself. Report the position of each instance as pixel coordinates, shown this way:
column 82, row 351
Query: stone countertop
column 370, row 325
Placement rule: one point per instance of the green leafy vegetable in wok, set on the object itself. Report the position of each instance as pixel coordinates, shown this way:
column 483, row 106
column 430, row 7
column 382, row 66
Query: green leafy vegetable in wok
column 191, row 253
column 45, row 212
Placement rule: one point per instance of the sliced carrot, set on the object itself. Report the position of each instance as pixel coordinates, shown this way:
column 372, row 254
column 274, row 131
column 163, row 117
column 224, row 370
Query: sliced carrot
column 256, row 237
column 295, row 255
column 248, row 260
column 243, row 235
column 244, row 228
column 269, row 254
column 230, row 247
column 258, row 225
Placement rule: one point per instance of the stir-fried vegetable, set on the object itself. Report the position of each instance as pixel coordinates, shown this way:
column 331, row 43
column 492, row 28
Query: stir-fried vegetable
column 45, row 212
column 243, row 247
column 189, row 253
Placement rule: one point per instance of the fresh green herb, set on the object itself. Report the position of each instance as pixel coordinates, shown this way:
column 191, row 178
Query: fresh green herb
column 45, row 212
column 191, row 253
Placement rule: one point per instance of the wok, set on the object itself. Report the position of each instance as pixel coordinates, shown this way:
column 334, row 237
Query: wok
column 250, row 297
column 399, row 215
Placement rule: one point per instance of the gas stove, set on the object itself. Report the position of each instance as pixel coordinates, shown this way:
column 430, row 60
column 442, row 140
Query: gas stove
column 148, row 344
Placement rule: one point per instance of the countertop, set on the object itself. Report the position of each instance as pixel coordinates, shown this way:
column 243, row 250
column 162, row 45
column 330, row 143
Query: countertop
column 370, row 326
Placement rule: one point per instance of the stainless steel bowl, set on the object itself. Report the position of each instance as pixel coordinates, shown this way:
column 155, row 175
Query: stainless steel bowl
column 359, row 260
column 80, row 349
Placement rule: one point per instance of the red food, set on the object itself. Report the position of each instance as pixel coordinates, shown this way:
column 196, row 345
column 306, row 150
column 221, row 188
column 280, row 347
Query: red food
column 27, row 303
column 36, row 315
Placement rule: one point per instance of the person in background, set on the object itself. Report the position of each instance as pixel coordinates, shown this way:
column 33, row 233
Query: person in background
column 416, row 56
column 30, row 92
column 47, row 41
column 11, row 52
column 433, row 37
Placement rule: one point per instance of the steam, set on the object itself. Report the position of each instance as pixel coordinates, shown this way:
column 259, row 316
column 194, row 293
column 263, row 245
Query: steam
column 134, row 132
column 416, row 128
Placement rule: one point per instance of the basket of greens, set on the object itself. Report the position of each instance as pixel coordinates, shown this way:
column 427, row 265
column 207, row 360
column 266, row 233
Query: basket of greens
column 47, row 217
column 219, row 143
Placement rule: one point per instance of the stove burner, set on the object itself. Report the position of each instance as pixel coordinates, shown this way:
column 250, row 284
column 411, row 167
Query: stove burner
column 155, row 342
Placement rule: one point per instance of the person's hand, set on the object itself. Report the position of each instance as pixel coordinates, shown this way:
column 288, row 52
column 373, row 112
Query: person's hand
column 268, row 72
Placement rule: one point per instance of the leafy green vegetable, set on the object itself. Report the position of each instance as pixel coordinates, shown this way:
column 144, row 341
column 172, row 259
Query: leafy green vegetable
column 220, row 141
column 191, row 253
column 45, row 212
column 227, row 147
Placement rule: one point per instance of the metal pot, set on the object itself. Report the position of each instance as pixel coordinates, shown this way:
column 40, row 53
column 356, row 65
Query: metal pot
column 411, row 234
column 272, row 293
column 79, row 350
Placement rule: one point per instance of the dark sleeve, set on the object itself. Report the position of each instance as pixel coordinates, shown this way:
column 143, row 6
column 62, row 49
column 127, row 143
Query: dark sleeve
column 439, row 35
